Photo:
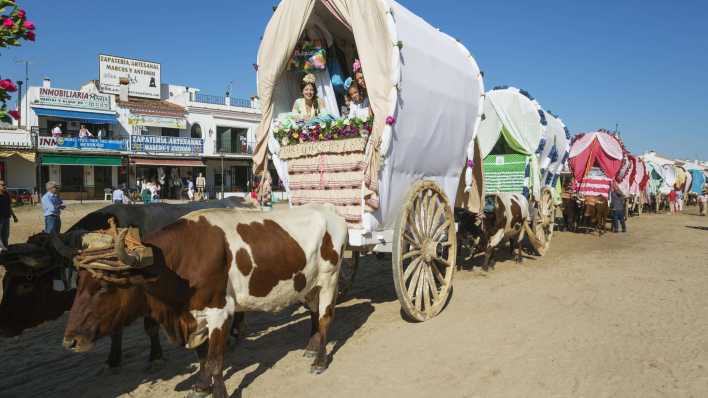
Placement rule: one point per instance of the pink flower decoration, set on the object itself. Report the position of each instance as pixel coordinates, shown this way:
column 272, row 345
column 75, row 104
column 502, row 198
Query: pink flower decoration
column 28, row 25
column 390, row 120
column 15, row 114
column 8, row 23
column 357, row 66
column 8, row 85
column 30, row 36
column 470, row 163
column 21, row 14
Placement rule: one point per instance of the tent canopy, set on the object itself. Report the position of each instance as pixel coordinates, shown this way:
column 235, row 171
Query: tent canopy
column 699, row 181
column 424, row 78
column 598, row 147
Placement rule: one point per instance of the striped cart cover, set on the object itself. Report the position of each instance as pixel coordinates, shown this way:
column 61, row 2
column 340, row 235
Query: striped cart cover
column 506, row 173
column 595, row 183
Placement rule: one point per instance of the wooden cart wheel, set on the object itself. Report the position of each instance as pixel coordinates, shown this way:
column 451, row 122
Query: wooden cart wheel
column 545, row 222
column 424, row 251
column 347, row 272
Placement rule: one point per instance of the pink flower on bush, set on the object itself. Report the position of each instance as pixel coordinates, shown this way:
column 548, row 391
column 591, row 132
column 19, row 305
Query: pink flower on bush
column 390, row 120
column 21, row 14
column 28, row 25
column 8, row 85
column 30, row 36
column 15, row 114
column 8, row 23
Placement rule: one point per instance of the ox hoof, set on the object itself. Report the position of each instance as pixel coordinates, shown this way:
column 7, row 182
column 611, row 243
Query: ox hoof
column 317, row 369
column 309, row 354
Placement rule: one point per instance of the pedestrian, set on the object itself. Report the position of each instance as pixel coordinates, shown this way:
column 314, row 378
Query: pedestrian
column 6, row 213
column 52, row 206
column 35, row 197
column 190, row 189
column 155, row 191
column 56, row 131
column 617, row 205
column 145, row 192
column 84, row 132
column 201, row 185
column 703, row 202
column 672, row 201
column 118, row 196
column 679, row 200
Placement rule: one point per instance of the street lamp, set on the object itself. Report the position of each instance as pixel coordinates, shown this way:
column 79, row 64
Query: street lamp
column 19, row 101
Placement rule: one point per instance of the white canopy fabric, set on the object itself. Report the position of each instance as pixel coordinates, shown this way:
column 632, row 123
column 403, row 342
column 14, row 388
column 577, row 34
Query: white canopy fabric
column 669, row 173
column 608, row 143
column 425, row 79
column 512, row 114
column 556, row 149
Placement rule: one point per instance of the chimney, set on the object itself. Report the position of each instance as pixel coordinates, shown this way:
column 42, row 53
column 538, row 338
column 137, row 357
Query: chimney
column 47, row 83
column 123, row 91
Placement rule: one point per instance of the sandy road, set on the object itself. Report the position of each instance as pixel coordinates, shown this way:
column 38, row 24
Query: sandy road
column 625, row 315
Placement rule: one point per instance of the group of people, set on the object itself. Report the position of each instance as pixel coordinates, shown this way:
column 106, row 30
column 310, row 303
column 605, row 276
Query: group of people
column 150, row 189
column 83, row 132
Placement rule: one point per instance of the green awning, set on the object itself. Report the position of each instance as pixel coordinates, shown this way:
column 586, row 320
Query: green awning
column 81, row 160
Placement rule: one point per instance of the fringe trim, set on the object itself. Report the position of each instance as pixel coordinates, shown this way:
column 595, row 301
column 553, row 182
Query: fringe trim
column 316, row 148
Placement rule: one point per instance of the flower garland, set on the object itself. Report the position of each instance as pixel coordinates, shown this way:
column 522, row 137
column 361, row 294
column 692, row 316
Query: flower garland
column 300, row 132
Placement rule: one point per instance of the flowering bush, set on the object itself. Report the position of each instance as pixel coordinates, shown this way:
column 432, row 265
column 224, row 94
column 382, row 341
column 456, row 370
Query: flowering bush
column 14, row 27
column 331, row 130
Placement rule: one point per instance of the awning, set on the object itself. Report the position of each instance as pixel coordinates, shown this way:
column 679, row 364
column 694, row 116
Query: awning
column 167, row 162
column 86, row 117
column 81, row 160
column 26, row 155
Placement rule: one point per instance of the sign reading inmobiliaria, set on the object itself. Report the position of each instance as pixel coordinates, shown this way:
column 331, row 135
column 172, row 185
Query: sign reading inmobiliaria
column 143, row 76
column 73, row 99
column 88, row 144
column 164, row 144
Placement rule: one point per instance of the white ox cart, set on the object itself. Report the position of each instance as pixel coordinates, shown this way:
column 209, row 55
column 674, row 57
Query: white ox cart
column 397, row 179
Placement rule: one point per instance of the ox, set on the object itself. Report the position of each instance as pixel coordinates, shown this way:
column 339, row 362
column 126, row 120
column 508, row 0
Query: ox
column 28, row 298
column 596, row 212
column 209, row 265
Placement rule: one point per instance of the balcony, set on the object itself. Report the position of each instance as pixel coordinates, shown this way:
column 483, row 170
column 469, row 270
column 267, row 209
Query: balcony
column 223, row 100
column 242, row 148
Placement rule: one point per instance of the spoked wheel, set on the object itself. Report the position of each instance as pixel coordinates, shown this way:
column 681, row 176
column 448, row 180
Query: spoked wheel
column 545, row 222
column 347, row 272
column 424, row 251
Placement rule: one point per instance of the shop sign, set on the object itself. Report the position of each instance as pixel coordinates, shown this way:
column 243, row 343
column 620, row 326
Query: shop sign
column 73, row 99
column 87, row 144
column 157, row 121
column 143, row 76
column 162, row 144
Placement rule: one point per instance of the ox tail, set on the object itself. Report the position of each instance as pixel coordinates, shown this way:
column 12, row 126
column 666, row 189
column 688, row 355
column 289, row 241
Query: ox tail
column 539, row 246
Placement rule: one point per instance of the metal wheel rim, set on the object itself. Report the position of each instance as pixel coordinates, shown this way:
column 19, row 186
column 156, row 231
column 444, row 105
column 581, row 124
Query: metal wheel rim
column 424, row 251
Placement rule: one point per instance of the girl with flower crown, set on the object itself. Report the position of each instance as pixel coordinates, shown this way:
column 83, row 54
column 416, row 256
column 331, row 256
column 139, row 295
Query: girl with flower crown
column 310, row 105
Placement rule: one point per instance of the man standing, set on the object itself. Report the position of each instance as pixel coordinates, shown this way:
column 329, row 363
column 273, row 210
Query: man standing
column 190, row 189
column 56, row 131
column 5, row 214
column 118, row 196
column 201, row 184
column 52, row 206
column 84, row 132
column 617, row 210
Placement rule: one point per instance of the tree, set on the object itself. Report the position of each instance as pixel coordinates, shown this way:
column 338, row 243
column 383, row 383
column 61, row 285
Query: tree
column 14, row 28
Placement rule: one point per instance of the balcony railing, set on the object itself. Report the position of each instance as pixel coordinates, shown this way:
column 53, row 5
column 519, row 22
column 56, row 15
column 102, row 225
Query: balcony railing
column 222, row 100
column 244, row 148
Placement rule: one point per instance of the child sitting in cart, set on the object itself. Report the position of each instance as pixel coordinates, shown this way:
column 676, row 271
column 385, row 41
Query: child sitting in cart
column 359, row 104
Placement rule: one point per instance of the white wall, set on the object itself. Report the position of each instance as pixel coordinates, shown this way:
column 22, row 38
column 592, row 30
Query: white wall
column 20, row 173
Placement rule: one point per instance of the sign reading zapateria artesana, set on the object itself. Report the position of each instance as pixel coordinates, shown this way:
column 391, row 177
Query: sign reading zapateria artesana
column 143, row 76
column 73, row 99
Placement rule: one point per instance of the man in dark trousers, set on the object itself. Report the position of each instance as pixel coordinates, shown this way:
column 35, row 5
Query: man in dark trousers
column 617, row 204
column 5, row 214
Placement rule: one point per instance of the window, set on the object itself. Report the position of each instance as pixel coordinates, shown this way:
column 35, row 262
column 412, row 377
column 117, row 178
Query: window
column 166, row 132
column 231, row 140
column 196, row 130
column 72, row 178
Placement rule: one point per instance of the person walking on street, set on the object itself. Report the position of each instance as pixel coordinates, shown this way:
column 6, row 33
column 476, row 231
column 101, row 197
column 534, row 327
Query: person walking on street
column 703, row 202
column 679, row 200
column 118, row 196
column 672, row 201
column 190, row 189
column 617, row 204
column 52, row 206
column 5, row 214
column 201, row 185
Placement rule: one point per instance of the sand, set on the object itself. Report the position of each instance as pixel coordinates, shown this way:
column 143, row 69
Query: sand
column 623, row 315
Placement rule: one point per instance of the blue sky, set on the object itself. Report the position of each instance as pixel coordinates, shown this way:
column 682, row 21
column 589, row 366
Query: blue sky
column 642, row 64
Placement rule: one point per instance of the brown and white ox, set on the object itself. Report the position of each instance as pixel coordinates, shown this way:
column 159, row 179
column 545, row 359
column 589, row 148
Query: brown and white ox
column 210, row 265
column 596, row 212
column 505, row 218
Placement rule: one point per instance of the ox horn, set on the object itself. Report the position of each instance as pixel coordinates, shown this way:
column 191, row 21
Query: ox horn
column 128, row 259
column 61, row 248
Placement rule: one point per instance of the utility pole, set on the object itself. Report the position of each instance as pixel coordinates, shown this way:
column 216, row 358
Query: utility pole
column 19, row 104
column 25, row 112
column 617, row 130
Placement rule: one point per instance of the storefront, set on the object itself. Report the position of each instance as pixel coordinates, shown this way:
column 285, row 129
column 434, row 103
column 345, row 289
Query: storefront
column 71, row 109
column 83, row 176
column 234, row 174
column 17, row 160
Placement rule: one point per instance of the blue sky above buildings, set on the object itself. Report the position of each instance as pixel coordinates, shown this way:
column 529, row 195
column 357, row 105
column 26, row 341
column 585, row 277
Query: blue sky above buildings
column 642, row 64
